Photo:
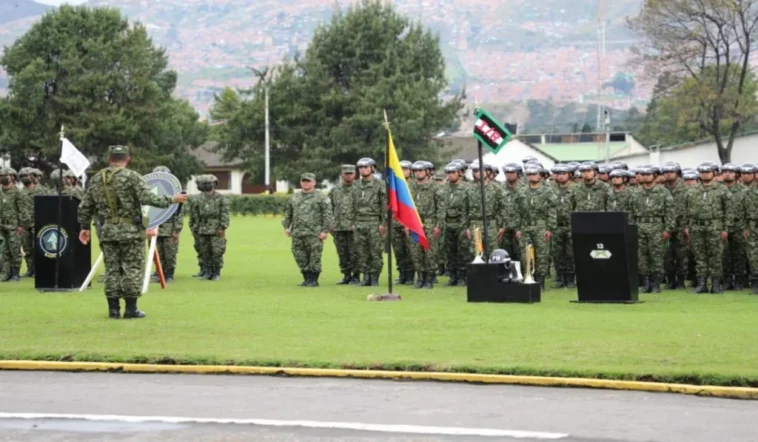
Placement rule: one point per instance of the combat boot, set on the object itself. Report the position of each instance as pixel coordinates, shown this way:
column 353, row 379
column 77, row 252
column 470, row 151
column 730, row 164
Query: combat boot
column 155, row 278
column 453, row 279
column 570, row 284
column 114, row 308
column 728, row 283
column 206, row 272
column 646, row 286
column 131, row 311
column 210, row 273
column 169, row 275
column 427, row 277
column 356, row 279
column 411, row 277
column 655, row 284
column 345, row 279
column 560, row 281
column 739, row 282
column 313, row 280
column 306, row 277
column 716, row 285
column 366, row 280
column 702, row 286
column 670, row 281
column 216, row 274
column 420, row 281
column 679, row 282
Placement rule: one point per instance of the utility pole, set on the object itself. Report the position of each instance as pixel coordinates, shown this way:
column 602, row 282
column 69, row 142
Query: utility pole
column 262, row 74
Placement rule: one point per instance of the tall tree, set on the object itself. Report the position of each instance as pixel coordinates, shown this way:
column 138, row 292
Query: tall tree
column 92, row 71
column 327, row 106
column 705, row 46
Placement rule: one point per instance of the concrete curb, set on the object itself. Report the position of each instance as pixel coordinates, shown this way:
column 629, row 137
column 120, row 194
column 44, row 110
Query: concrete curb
column 697, row 390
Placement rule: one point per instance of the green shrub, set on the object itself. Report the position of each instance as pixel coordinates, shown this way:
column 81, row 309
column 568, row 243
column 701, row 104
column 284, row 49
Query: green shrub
column 258, row 204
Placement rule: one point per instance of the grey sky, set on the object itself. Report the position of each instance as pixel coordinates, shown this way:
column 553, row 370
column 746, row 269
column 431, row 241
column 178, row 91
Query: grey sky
column 59, row 2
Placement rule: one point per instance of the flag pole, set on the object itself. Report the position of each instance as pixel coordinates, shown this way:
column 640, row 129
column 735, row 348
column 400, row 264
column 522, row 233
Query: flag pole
column 389, row 208
column 481, row 191
column 60, row 213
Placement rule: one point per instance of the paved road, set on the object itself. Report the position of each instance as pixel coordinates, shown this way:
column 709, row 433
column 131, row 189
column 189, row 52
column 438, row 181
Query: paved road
column 579, row 414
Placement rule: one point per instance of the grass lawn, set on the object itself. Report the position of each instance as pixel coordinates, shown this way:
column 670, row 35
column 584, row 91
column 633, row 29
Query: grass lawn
column 256, row 315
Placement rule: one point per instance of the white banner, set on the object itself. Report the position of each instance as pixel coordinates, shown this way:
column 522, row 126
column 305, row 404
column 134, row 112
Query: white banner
column 75, row 160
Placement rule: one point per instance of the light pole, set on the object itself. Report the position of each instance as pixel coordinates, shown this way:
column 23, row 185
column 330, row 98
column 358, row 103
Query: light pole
column 267, row 140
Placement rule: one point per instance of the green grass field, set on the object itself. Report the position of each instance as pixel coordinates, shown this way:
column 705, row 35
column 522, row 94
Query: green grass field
column 256, row 315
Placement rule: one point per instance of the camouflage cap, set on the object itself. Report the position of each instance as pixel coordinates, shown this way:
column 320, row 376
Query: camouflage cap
column 118, row 150
column 308, row 177
column 348, row 168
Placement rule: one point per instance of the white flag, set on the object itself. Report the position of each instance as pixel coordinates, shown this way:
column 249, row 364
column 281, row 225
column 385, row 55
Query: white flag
column 75, row 160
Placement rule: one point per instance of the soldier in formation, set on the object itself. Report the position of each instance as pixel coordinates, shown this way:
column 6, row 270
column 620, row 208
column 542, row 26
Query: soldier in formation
column 14, row 218
column 209, row 217
column 342, row 198
column 401, row 242
column 370, row 221
column 30, row 178
column 427, row 198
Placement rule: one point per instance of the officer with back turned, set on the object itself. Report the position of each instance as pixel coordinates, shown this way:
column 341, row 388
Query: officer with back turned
column 117, row 194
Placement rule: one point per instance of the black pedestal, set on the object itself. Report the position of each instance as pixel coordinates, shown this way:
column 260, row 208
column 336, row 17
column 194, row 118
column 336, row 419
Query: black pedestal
column 605, row 255
column 484, row 286
column 75, row 257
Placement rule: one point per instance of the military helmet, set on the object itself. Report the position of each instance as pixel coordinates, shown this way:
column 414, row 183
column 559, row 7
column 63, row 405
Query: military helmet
column 163, row 169
column 366, row 162
column 491, row 168
column 428, row 165
column 618, row 173
column 605, row 168
column 8, row 171
column 689, row 175
column 573, row 165
column 560, row 168
column 462, row 163
column 68, row 174
column 587, row 166
column 212, row 178
column 500, row 256
column 452, row 167
column 669, row 167
column 37, row 172
column 528, row 159
column 474, row 166
column 747, row 168
column 55, row 174
column 615, row 165
column 418, row 166
column 731, row 167
column 405, row 164
column 512, row 168
column 25, row 171
column 645, row 170
column 622, row 165
column 707, row 167
column 656, row 170
column 629, row 174
column 532, row 170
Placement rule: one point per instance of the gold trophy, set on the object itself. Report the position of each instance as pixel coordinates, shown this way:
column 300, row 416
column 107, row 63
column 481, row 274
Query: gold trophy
column 529, row 265
column 479, row 248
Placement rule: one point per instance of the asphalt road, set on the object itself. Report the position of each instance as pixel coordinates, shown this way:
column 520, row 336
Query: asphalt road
column 167, row 407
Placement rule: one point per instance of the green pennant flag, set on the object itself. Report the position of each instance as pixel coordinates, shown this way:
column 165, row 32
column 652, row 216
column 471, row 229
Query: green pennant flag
column 490, row 132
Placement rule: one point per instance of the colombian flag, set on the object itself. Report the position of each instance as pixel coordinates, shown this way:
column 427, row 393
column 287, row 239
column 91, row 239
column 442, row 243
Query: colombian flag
column 399, row 197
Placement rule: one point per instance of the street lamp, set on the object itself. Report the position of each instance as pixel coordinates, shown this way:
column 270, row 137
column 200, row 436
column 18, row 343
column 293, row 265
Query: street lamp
column 267, row 143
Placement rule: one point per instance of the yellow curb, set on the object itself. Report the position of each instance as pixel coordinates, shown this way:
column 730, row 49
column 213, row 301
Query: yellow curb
column 698, row 390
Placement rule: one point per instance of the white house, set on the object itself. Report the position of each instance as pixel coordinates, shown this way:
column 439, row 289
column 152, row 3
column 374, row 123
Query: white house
column 232, row 177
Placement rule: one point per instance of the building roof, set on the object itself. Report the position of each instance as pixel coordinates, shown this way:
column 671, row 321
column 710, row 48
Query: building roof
column 212, row 159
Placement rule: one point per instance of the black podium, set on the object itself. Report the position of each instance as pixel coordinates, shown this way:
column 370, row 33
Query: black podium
column 484, row 286
column 605, row 256
column 75, row 257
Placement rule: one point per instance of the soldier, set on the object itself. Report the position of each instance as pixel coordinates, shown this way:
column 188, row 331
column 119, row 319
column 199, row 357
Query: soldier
column 676, row 262
column 194, row 224
column 30, row 190
column 342, row 199
column 735, row 258
column 512, row 185
column 117, row 195
column 370, row 222
column 494, row 200
column 14, row 216
column 689, row 178
column 401, row 242
column 455, row 211
column 307, row 220
column 538, row 220
column 426, row 195
column 167, row 243
column 211, row 209
column 603, row 173
column 653, row 211
column 618, row 198
column 589, row 196
column 747, row 175
column 65, row 184
column 707, row 212
column 561, row 247
column 749, row 212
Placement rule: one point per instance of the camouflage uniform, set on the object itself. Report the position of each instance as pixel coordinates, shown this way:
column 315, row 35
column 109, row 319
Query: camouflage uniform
column 211, row 210
column 619, row 200
column 13, row 214
column 677, row 255
column 561, row 246
column 707, row 212
column 653, row 212
column 117, row 195
column 454, row 209
column 308, row 215
column 735, row 255
column 370, row 213
column 193, row 224
column 537, row 209
column 495, row 204
column 67, row 190
column 749, row 213
column 589, row 198
column 509, row 242
column 167, row 246
column 426, row 196
column 342, row 198
column 29, row 191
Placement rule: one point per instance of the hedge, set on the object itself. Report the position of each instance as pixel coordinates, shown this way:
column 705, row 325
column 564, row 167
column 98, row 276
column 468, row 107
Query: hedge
column 258, row 204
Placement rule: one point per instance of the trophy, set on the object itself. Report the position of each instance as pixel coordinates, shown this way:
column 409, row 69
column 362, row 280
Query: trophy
column 479, row 249
column 529, row 265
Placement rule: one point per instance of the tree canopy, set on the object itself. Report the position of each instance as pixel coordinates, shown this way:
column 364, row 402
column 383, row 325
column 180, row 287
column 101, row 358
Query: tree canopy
column 326, row 106
column 90, row 70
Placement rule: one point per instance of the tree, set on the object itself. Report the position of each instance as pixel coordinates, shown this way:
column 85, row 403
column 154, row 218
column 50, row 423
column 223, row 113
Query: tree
column 326, row 106
column 90, row 70
column 705, row 48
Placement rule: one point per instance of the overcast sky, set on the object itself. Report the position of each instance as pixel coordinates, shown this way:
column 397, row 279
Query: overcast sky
column 58, row 2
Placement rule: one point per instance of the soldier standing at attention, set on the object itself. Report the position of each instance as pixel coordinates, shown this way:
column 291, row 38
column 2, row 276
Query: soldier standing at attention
column 307, row 220
column 30, row 190
column 455, row 212
column 193, row 225
column 117, row 194
column 676, row 256
column 747, row 175
column 735, row 257
column 211, row 209
column 590, row 194
column 654, row 214
column 749, row 213
column 707, row 211
column 619, row 196
column 168, row 239
column 537, row 206
column 342, row 198
column 13, row 217
column 401, row 242
column 494, row 204
column 562, row 248
column 509, row 242
column 370, row 222
column 426, row 196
